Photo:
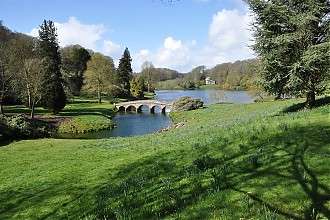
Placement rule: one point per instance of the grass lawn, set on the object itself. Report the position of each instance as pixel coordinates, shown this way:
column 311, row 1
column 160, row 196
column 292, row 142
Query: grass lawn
column 83, row 115
column 230, row 161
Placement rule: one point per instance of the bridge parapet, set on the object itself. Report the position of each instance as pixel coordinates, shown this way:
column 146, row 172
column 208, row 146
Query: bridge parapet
column 139, row 103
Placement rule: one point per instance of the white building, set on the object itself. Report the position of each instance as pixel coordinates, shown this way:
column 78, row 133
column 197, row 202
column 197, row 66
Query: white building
column 209, row 81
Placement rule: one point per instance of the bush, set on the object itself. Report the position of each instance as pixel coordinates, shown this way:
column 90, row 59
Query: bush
column 18, row 127
column 187, row 103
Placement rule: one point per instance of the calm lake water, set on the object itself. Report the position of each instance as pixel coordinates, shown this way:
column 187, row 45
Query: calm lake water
column 133, row 124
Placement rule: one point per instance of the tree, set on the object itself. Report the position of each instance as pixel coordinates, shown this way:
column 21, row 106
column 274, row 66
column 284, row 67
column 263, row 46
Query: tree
column 74, row 61
column 148, row 69
column 99, row 75
column 5, row 75
column 14, row 49
column 292, row 42
column 33, row 80
column 124, row 71
column 136, row 88
column 54, row 97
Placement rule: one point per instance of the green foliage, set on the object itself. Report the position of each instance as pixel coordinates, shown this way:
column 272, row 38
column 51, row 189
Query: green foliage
column 54, row 97
column 19, row 127
column 186, row 103
column 236, row 76
column 99, row 75
column 136, row 88
column 74, row 63
column 292, row 42
column 124, row 71
column 85, row 123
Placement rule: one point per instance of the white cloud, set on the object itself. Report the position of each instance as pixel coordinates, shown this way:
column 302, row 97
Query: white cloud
column 171, row 54
column 174, row 54
column 229, row 34
column 111, row 49
column 34, row 32
column 75, row 32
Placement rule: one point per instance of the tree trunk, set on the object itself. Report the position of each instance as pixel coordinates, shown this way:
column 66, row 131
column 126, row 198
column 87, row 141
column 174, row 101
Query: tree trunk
column 310, row 99
column 1, row 108
column 99, row 93
column 32, row 110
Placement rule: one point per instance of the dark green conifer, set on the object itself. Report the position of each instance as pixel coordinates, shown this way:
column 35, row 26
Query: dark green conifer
column 54, row 98
column 124, row 71
column 292, row 41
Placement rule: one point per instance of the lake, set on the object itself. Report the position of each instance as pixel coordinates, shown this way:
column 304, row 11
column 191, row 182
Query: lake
column 133, row 124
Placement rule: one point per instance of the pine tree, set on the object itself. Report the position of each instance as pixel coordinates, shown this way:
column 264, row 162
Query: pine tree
column 54, row 98
column 124, row 71
column 292, row 41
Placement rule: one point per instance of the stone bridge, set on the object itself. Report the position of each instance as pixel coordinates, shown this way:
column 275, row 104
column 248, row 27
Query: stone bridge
column 137, row 105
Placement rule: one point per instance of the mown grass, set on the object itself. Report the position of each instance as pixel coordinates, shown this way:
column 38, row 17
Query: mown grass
column 85, row 123
column 84, row 115
column 230, row 161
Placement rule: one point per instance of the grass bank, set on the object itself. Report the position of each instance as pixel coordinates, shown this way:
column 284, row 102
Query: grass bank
column 87, row 115
column 230, row 161
column 82, row 115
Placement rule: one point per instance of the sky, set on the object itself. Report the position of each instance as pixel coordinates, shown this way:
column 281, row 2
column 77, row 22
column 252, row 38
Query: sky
column 181, row 36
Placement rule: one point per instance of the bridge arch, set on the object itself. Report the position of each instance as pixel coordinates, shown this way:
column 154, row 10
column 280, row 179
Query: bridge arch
column 137, row 105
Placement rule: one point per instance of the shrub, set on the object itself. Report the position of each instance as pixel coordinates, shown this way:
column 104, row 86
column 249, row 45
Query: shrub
column 18, row 127
column 187, row 103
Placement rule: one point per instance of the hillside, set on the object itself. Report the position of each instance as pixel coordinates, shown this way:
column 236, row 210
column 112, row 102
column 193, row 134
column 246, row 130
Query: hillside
column 230, row 161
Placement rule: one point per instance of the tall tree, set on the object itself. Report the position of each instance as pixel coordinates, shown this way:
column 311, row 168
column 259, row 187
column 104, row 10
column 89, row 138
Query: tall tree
column 124, row 71
column 292, row 41
column 74, row 61
column 99, row 75
column 54, row 98
column 33, row 80
column 147, row 73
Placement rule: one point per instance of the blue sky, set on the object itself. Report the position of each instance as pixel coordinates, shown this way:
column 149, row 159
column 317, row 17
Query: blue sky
column 180, row 36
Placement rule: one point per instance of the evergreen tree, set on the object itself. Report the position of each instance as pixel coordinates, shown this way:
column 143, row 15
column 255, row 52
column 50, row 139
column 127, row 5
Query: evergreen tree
column 124, row 71
column 292, row 42
column 54, row 98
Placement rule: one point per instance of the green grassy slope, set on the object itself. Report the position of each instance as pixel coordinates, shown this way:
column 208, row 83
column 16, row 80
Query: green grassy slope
column 230, row 161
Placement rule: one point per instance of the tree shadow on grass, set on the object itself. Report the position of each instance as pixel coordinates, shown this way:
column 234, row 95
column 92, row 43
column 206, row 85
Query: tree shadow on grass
column 300, row 106
column 87, row 111
column 299, row 144
column 157, row 187
column 51, row 201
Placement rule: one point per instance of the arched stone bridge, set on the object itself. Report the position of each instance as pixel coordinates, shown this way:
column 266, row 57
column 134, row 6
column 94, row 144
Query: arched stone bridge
column 137, row 105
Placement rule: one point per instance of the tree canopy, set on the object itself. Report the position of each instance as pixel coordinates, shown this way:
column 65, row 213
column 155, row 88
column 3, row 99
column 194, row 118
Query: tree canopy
column 74, row 61
column 292, row 41
column 99, row 75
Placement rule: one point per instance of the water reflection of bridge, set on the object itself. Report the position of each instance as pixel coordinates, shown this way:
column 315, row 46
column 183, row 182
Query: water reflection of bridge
column 137, row 105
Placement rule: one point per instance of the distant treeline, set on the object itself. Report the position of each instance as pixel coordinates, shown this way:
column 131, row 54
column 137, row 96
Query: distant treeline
column 234, row 76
